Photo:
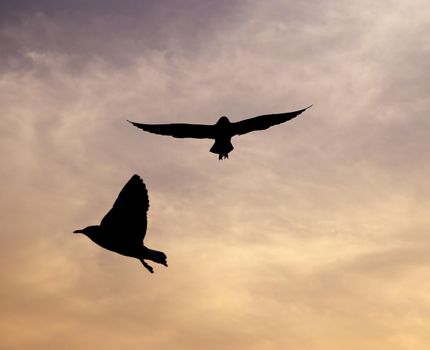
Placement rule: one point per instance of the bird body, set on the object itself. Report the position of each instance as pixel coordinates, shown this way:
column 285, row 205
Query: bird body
column 123, row 228
column 222, row 135
column 222, row 131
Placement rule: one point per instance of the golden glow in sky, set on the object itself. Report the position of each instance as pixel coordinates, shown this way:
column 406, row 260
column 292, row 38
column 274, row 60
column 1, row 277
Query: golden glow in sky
column 314, row 234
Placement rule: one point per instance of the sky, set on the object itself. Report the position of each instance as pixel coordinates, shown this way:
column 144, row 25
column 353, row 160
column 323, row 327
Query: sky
column 314, row 234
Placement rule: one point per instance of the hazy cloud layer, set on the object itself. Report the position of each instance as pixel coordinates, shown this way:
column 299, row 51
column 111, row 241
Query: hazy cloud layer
column 313, row 235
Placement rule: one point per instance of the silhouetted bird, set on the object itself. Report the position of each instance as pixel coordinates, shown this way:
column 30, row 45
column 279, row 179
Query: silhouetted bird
column 123, row 228
column 222, row 131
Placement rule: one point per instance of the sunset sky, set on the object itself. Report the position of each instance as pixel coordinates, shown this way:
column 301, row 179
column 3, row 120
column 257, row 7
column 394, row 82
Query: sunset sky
column 313, row 235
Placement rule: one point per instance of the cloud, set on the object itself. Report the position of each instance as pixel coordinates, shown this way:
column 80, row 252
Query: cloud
column 79, row 30
column 313, row 233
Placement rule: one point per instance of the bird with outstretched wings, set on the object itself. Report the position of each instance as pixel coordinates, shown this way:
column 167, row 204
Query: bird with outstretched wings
column 222, row 131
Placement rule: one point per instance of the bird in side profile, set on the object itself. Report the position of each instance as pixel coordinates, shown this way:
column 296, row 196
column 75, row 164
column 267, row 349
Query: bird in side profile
column 123, row 228
column 222, row 131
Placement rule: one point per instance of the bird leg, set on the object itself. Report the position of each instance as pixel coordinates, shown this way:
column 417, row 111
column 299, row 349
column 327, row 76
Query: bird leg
column 148, row 267
column 223, row 156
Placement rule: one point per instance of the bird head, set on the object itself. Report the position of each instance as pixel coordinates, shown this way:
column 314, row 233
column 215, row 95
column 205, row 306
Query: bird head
column 223, row 121
column 88, row 231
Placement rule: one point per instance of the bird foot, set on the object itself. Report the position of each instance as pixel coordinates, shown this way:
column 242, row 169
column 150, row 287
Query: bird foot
column 147, row 266
column 222, row 156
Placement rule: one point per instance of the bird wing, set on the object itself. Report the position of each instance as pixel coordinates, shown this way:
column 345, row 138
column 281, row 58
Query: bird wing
column 263, row 122
column 128, row 216
column 181, row 130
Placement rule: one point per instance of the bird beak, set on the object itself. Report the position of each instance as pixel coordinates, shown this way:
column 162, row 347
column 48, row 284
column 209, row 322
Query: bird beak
column 78, row 231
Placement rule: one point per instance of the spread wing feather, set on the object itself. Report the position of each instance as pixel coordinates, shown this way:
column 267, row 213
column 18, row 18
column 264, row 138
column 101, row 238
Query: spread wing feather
column 128, row 216
column 196, row 131
column 263, row 122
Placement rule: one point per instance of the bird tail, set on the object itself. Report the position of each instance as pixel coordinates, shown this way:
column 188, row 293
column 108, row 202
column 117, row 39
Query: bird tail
column 156, row 256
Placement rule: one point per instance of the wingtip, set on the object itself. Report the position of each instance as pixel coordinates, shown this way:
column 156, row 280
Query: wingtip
column 137, row 180
column 304, row 109
column 137, row 177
